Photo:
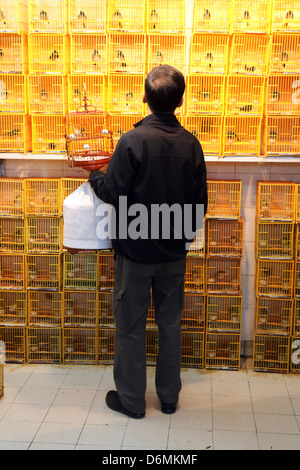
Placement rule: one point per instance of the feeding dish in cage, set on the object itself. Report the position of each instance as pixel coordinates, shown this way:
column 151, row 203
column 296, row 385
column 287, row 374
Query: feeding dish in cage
column 89, row 142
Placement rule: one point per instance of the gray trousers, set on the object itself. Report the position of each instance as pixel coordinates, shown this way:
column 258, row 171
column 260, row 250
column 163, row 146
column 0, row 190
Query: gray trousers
column 133, row 284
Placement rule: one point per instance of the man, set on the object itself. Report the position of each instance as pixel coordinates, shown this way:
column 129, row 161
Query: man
column 158, row 164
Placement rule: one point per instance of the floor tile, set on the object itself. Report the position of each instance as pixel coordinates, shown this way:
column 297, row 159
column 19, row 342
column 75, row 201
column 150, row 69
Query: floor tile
column 284, row 424
column 102, row 435
column 235, row 440
column 196, row 439
column 58, row 433
column 270, row 441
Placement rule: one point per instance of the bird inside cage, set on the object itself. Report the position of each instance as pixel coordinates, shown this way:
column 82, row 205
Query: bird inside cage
column 54, row 56
column 117, row 16
column 153, row 19
column 43, row 15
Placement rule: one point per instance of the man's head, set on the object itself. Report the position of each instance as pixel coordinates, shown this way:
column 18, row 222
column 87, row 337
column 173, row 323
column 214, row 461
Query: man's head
column 164, row 89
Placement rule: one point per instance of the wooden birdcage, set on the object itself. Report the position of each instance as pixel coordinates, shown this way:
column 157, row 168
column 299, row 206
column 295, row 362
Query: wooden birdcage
column 43, row 271
column 80, row 271
column 48, row 16
column 105, row 308
column 197, row 247
column 296, row 317
column 15, row 133
column 297, row 241
column 209, row 53
column 274, row 316
column 12, row 234
column 205, row 94
column 281, row 135
column 121, row 123
column 79, row 345
column 167, row 49
column 271, row 353
column 223, row 350
column 285, row 16
column 80, row 308
column 245, row 95
column 13, row 93
column 224, row 313
column 14, row 16
column 275, row 278
column 193, row 314
column 192, row 346
column 49, row 53
column 106, row 345
column 276, row 200
column 166, row 17
column 13, row 53
column 282, row 94
column 12, row 269
column 224, row 199
column 208, row 130
column 223, row 275
column 14, row 339
column 212, row 16
column 251, row 17
column 224, row 237
column 47, row 94
column 125, row 95
column 44, row 308
column 12, row 197
column 194, row 276
column 284, row 53
column 97, row 86
column 89, row 142
column 249, row 54
column 242, row 135
column 127, row 53
column 274, row 240
column 89, row 54
column 126, row 15
column 297, row 279
column 87, row 16
column 13, row 307
column 43, row 234
column 42, row 197
column 106, row 269
column 43, row 345
column 48, row 133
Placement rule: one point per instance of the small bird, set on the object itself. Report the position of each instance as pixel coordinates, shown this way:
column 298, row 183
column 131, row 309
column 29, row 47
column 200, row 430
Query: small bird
column 153, row 18
column 43, row 15
column 52, row 146
column 246, row 109
column 246, row 16
column 77, row 93
column 232, row 137
column 12, row 133
column 2, row 16
column 289, row 16
column 272, row 137
column 205, row 95
column 82, row 16
column 206, row 15
column 249, row 68
column 159, row 57
column 96, row 57
column 54, row 55
column 284, row 58
column 43, row 95
column 1, row 54
column 275, row 96
column 209, row 58
column 194, row 132
column 79, row 133
column 120, row 56
column 117, row 16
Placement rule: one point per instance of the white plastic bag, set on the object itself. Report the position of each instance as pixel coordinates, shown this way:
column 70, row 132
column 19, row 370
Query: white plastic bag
column 81, row 220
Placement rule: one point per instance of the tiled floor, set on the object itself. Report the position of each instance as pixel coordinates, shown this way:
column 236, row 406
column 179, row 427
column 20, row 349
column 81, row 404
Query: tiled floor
column 63, row 407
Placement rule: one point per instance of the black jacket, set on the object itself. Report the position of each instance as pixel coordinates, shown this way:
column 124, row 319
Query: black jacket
column 157, row 162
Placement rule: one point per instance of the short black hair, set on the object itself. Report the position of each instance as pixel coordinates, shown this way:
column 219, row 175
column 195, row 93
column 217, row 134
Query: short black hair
column 164, row 88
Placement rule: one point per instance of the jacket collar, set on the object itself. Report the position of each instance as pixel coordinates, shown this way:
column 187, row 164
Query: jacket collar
column 168, row 119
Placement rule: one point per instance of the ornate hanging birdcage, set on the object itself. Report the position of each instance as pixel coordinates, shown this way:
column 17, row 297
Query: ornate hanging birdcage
column 89, row 142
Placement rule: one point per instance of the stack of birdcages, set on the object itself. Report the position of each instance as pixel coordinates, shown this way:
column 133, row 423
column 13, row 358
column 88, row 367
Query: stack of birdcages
column 48, row 46
column 224, row 250
column 15, row 133
column 282, row 104
column 275, row 266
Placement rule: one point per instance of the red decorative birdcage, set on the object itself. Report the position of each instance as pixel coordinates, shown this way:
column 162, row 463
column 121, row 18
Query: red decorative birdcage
column 89, row 142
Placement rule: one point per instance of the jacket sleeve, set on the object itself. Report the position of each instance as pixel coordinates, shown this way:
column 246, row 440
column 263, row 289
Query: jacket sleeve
column 120, row 175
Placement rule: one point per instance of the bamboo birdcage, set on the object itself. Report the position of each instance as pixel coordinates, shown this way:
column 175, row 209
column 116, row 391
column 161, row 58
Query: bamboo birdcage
column 14, row 339
column 43, row 345
column 223, row 350
column 274, row 316
column 271, row 353
column 89, row 142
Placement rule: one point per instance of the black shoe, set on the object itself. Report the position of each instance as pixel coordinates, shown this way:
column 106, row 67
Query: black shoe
column 168, row 408
column 113, row 402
